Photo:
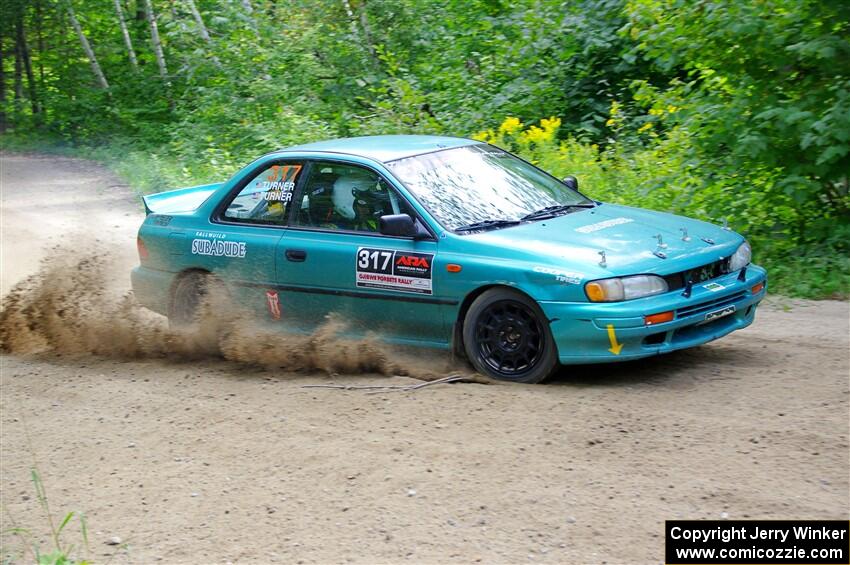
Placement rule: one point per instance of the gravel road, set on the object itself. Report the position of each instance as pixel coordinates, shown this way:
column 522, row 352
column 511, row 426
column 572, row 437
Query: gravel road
column 208, row 461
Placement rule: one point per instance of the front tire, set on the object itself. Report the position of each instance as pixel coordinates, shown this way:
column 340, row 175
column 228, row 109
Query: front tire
column 507, row 337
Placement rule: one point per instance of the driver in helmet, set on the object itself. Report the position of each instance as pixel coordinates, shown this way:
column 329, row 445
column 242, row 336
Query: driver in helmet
column 367, row 210
column 358, row 202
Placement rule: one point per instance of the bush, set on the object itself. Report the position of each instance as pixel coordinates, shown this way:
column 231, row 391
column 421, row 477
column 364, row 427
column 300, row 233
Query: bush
column 670, row 175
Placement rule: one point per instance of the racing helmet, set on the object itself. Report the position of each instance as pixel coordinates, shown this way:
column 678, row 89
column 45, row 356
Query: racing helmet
column 343, row 192
column 368, row 204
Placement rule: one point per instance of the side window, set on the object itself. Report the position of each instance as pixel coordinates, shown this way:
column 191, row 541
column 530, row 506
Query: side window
column 347, row 197
column 266, row 199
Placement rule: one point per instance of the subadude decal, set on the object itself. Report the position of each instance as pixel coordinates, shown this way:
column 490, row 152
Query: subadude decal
column 394, row 270
column 219, row 248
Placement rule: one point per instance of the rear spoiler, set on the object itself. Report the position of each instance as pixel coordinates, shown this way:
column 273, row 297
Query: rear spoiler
column 180, row 200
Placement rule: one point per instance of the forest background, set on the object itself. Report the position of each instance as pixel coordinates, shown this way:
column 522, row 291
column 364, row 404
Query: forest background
column 735, row 109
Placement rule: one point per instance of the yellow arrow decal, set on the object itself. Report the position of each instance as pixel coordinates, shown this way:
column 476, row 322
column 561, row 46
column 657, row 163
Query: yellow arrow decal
column 612, row 337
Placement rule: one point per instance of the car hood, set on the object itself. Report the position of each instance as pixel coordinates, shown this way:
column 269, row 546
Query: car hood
column 626, row 235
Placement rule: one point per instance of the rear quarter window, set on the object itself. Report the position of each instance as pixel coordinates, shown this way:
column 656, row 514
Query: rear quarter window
column 267, row 197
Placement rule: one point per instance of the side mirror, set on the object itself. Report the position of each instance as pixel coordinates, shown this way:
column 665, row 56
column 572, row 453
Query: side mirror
column 571, row 182
column 401, row 225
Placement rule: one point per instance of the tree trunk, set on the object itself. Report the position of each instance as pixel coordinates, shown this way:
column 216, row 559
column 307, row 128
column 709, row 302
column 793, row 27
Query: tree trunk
column 64, row 43
column 363, row 32
column 2, row 86
column 155, row 41
column 39, row 26
column 174, row 15
column 25, row 57
column 249, row 9
column 19, row 78
column 367, row 31
column 202, row 29
column 95, row 67
column 121, row 22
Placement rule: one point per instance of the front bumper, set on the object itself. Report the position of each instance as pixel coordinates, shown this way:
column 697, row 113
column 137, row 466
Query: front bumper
column 588, row 332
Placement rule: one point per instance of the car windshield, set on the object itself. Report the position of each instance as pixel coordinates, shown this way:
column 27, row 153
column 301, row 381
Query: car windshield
column 482, row 186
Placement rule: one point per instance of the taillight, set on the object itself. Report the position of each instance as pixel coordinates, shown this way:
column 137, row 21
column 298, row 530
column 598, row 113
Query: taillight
column 143, row 251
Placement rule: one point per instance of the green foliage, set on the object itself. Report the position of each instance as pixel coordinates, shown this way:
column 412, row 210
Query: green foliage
column 720, row 108
column 762, row 85
column 670, row 176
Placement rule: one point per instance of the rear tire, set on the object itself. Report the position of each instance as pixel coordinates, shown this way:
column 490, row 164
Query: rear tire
column 507, row 337
column 186, row 299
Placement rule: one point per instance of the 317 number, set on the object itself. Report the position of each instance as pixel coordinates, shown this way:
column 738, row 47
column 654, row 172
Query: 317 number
column 367, row 259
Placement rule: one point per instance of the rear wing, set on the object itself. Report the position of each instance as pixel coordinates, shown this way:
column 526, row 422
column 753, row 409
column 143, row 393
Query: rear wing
column 180, row 200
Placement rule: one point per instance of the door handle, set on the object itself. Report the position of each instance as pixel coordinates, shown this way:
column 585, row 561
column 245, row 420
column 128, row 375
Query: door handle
column 296, row 255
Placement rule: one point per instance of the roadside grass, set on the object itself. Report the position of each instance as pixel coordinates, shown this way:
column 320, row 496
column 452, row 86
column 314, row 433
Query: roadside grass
column 820, row 271
column 59, row 553
column 56, row 551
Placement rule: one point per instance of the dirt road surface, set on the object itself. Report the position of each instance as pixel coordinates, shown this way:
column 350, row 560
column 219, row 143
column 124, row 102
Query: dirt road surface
column 214, row 462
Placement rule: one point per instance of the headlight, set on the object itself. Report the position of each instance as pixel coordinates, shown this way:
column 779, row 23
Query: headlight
column 625, row 288
column 741, row 258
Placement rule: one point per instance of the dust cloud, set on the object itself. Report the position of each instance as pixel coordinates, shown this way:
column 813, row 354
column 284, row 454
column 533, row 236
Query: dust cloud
column 73, row 306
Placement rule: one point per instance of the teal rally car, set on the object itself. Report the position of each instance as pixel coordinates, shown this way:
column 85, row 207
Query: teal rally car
column 447, row 243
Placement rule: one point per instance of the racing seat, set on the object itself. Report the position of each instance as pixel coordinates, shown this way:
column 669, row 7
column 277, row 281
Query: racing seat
column 320, row 206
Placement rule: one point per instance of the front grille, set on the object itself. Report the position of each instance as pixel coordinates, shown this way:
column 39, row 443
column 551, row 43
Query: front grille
column 709, row 305
column 697, row 275
column 692, row 331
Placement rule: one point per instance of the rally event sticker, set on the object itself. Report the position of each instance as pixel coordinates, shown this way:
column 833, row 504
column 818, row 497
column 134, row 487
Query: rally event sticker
column 388, row 269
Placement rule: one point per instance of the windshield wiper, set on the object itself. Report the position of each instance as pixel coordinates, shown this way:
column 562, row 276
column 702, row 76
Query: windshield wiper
column 556, row 210
column 487, row 224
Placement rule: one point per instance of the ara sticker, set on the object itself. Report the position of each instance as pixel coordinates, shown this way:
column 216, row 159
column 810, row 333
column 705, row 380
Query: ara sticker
column 394, row 270
column 713, row 287
column 219, row 248
column 273, row 301
column 590, row 228
column 560, row 276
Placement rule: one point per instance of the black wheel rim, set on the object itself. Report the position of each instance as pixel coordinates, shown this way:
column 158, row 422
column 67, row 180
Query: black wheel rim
column 509, row 338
